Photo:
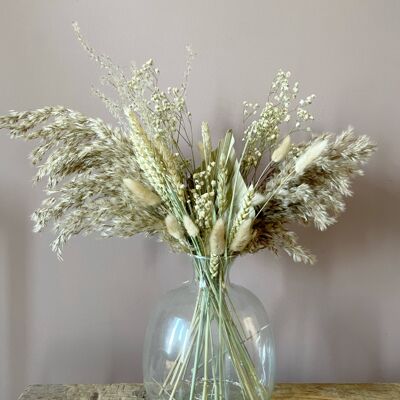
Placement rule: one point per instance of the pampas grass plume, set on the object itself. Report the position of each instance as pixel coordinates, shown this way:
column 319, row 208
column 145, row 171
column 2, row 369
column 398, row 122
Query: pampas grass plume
column 217, row 238
column 242, row 237
column 190, row 226
column 173, row 227
column 143, row 194
column 281, row 151
column 310, row 155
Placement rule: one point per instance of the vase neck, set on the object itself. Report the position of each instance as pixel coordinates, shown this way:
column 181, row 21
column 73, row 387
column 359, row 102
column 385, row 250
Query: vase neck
column 211, row 269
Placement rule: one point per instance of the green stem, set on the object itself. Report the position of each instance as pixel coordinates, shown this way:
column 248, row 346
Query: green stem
column 181, row 353
column 206, row 356
column 214, row 303
column 214, row 389
column 196, row 355
column 220, row 349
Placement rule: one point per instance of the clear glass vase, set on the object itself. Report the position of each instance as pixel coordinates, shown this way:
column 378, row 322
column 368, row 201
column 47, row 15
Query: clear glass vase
column 209, row 339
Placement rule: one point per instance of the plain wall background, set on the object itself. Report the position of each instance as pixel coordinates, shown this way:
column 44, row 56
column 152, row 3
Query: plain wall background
column 84, row 320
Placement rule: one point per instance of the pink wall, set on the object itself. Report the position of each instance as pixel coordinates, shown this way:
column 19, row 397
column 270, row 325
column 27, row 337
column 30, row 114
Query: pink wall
column 84, row 320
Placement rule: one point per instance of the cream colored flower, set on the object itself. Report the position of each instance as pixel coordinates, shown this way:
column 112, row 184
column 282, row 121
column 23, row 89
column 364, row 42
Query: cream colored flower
column 190, row 226
column 217, row 238
column 281, row 151
column 242, row 236
column 143, row 194
column 173, row 227
column 310, row 155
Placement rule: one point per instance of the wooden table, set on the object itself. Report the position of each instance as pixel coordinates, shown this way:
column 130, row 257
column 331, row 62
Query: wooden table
column 283, row 391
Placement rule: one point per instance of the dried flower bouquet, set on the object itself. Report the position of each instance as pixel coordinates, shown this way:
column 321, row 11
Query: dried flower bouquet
column 141, row 177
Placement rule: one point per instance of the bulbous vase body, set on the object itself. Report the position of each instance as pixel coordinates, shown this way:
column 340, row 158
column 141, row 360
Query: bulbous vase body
column 209, row 339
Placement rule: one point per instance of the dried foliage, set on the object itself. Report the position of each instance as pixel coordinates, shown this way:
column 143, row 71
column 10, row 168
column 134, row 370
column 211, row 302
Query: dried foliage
column 137, row 177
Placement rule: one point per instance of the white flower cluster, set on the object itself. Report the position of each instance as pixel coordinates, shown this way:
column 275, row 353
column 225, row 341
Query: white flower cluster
column 263, row 132
column 203, row 196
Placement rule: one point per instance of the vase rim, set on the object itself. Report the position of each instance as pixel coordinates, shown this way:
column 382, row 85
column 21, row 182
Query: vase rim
column 202, row 257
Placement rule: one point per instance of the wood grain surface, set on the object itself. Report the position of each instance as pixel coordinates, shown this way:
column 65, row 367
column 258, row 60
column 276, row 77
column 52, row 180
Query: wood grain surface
column 287, row 391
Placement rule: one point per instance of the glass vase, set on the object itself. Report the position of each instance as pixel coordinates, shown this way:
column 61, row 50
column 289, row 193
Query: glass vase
column 209, row 339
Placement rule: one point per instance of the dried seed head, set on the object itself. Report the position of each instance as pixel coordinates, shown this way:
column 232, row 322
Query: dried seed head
column 214, row 265
column 190, row 226
column 281, row 151
column 173, row 227
column 205, row 132
column 200, row 147
column 310, row 155
column 242, row 237
column 258, row 199
column 217, row 238
column 143, row 194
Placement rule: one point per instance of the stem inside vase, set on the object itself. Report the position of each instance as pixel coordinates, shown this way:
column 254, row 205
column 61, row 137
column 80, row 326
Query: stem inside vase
column 216, row 348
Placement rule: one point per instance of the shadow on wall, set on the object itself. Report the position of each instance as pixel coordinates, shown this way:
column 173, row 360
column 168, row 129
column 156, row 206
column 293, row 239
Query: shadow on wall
column 335, row 331
column 15, row 228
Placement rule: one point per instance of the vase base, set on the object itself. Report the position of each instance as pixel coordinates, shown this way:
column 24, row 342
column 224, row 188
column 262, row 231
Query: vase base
column 231, row 391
